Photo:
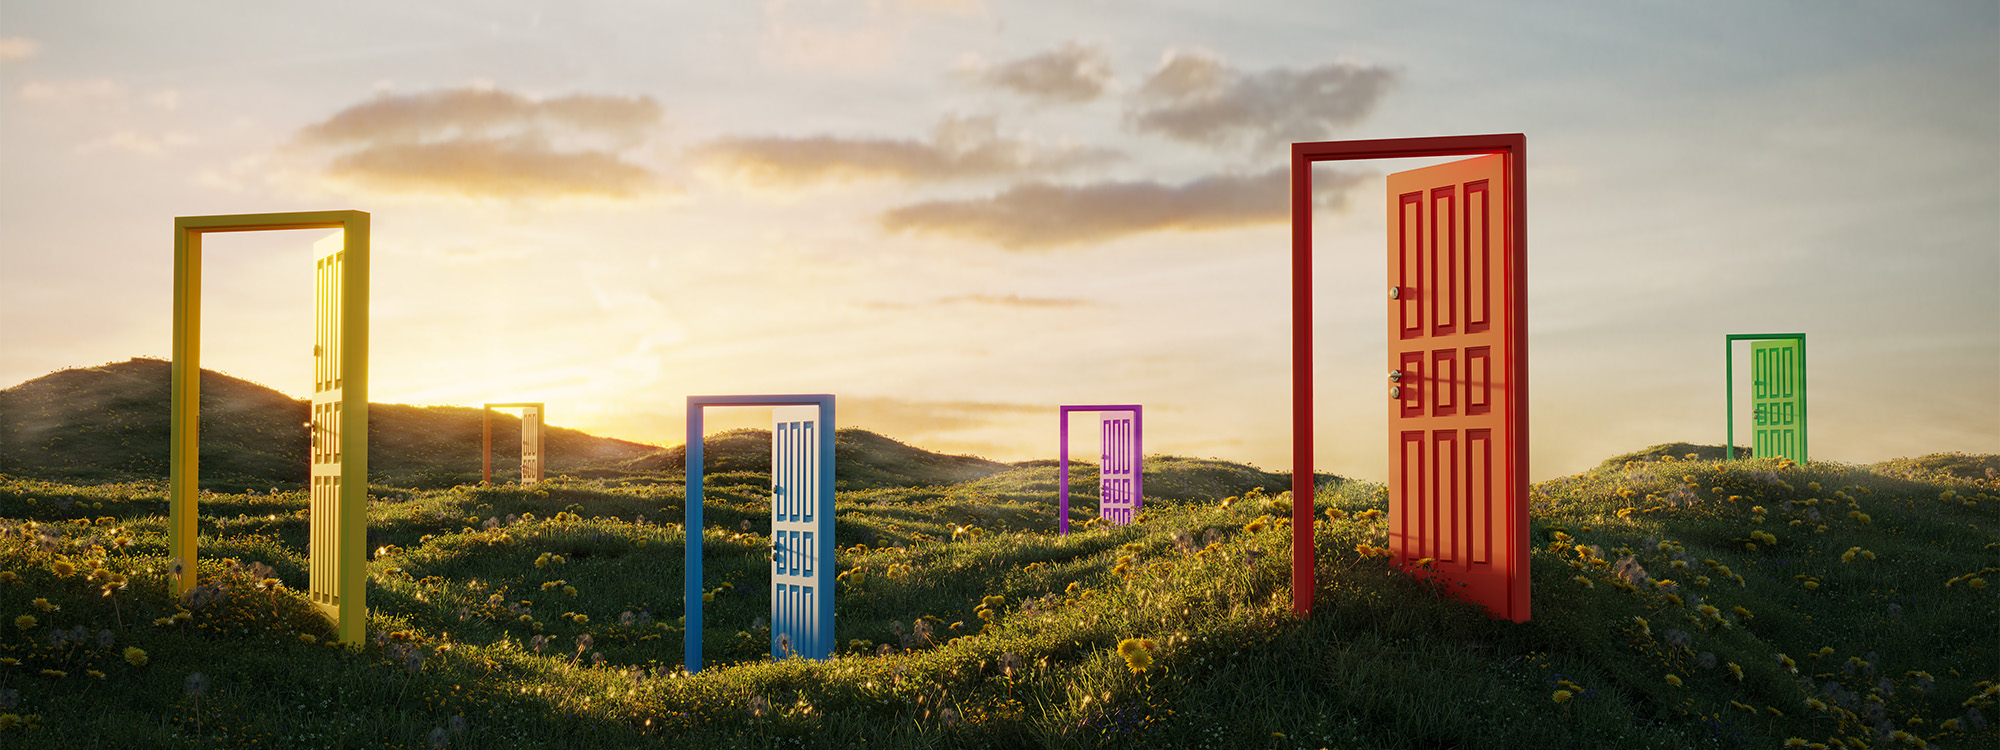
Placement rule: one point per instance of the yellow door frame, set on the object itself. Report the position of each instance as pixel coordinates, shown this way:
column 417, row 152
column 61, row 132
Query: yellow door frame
column 339, row 549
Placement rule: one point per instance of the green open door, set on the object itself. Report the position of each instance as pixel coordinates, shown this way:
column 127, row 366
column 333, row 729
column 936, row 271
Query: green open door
column 1777, row 394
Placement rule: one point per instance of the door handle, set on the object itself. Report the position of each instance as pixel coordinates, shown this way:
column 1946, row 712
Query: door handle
column 1395, row 376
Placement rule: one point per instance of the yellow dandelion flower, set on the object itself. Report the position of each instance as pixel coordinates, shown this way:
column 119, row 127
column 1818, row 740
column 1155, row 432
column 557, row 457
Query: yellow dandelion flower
column 135, row 655
column 9, row 661
column 571, row 590
column 25, row 621
column 1674, row 680
column 57, row 673
column 62, row 568
column 1137, row 657
column 94, row 673
column 1823, row 651
column 1709, row 610
column 1741, row 612
column 1585, row 581
column 1795, row 742
column 308, row 639
column 1848, row 556
column 1644, row 627
column 1977, row 583
column 1812, row 585
column 8, row 576
column 44, row 605
column 1561, row 696
column 1870, row 554
column 1736, row 671
column 9, row 721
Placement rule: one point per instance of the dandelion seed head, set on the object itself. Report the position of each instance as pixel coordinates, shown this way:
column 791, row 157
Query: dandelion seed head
column 195, row 684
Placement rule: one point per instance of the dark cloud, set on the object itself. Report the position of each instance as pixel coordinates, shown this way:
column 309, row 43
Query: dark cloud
column 985, row 300
column 1041, row 215
column 1199, row 99
column 959, row 148
column 1068, row 74
column 485, row 143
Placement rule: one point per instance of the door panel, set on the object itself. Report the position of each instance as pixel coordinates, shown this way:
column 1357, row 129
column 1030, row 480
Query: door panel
column 323, row 522
column 531, row 445
column 1118, row 467
column 1777, row 399
column 1455, row 514
column 795, row 486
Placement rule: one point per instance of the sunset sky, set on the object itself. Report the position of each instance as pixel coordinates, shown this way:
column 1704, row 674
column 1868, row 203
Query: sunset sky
column 957, row 215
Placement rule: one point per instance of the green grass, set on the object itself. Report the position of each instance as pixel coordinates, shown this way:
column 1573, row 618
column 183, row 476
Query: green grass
column 1910, row 634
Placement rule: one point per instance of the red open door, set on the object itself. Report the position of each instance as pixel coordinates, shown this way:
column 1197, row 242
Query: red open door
column 1456, row 511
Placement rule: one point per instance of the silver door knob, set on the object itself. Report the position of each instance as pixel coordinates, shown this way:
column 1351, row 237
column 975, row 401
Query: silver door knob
column 1395, row 292
column 1395, row 376
column 1395, row 391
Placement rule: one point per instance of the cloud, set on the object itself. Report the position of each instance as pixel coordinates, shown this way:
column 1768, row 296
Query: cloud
column 985, row 300
column 959, row 148
column 71, row 93
column 134, row 141
column 1195, row 97
column 1070, row 74
column 17, row 48
column 484, row 143
column 1040, row 215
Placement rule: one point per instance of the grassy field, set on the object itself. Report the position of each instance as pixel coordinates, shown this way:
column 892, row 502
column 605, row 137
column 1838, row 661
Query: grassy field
column 1678, row 602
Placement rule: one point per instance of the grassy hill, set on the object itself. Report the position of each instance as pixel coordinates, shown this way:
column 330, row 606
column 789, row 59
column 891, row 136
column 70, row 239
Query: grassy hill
column 1677, row 603
column 111, row 423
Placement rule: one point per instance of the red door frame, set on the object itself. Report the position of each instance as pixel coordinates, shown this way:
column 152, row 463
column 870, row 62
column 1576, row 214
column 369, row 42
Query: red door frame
column 1515, row 148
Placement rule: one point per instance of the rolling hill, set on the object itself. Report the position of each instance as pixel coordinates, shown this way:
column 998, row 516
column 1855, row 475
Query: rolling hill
column 110, row 423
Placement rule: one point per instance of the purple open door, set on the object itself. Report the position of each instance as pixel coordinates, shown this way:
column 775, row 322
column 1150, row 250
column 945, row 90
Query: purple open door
column 1121, row 476
column 1118, row 470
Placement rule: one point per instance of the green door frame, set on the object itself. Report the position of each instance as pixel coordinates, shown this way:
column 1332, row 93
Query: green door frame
column 1729, row 386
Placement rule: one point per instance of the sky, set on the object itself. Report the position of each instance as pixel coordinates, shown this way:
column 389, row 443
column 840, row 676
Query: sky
column 957, row 215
